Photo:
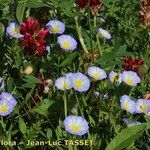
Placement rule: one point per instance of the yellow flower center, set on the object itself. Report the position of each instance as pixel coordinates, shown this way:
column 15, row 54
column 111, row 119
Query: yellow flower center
column 113, row 78
column 129, row 81
column 75, row 128
column 126, row 105
column 15, row 31
column 55, row 29
column 78, row 83
column 66, row 44
column 65, row 85
column 116, row 79
column 96, row 75
column 3, row 108
column 143, row 107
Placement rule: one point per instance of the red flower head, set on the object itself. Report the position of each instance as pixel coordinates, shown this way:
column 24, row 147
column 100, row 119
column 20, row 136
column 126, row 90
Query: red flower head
column 133, row 64
column 30, row 26
column 82, row 3
column 93, row 4
column 34, row 39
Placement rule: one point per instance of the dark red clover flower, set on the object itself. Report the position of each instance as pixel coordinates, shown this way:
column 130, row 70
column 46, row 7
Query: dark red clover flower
column 82, row 3
column 94, row 5
column 132, row 64
column 34, row 39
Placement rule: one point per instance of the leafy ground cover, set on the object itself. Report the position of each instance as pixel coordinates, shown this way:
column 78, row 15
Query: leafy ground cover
column 74, row 74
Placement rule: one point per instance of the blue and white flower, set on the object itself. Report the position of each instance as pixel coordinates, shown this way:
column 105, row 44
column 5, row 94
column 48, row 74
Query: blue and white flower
column 105, row 33
column 6, row 108
column 67, row 42
column 5, row 96
column 96, row 73
column 128, row 104
column 63, row 83
column 69, row 74
column 115, row 77
column 76, row 125
column 80, row 82
column 14, row 31
column 130, row 78
column 56, row 27
column 142, row 106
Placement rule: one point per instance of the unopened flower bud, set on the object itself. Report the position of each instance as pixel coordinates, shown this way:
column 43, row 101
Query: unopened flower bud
column 28, row 70
column 46, row 89
column 49, row 82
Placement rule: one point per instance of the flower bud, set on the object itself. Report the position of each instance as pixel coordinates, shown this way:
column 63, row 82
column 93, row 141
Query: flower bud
column 28, row 70
column 46, row 89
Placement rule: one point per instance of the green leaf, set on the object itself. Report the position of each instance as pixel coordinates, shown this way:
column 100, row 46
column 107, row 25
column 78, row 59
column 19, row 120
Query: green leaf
column 4, row 2
column 123, row 48
column 28, row 85
column 109, row 66
column 108, row 1
column 2, row 29
column 107, row 57
column 35, row 3
column 126, row 137
column 18, row 60
column 22, row 126
column 119, row 63
column 69, row 59
column 31, row 79
column 20, row 11
column 124, row 54
column 147, row 118
column 9, row 85
column 92, row 121
column 49, row 133
column 42, row 108
column 117, row 44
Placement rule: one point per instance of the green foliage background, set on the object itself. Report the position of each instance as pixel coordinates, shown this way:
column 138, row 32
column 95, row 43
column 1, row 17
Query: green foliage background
column 44, row 121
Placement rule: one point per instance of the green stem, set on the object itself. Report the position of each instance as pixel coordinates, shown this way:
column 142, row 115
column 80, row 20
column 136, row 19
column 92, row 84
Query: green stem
column 65, row 104
column 76, row 96
column 89, row 21
column 44, row 114
column 13, row 90
column 97, row 37
column 2, row 123
column 78, row 28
